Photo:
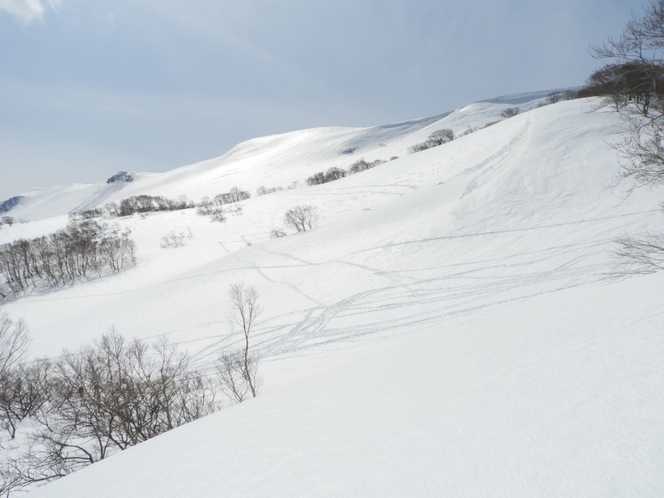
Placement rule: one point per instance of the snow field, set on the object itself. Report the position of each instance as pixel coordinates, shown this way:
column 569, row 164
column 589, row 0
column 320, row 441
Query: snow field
column 446, row 330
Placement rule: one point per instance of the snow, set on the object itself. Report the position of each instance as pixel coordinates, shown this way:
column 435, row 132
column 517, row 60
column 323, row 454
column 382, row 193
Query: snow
column 446, row 330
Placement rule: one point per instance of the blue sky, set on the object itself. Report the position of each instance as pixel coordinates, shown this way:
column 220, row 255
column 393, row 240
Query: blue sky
column 89, row 88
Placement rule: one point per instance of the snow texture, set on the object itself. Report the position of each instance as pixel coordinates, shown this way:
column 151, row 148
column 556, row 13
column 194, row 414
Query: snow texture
column 446, row 330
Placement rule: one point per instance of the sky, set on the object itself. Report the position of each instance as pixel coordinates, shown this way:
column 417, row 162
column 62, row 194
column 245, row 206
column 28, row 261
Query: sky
column 89, row 87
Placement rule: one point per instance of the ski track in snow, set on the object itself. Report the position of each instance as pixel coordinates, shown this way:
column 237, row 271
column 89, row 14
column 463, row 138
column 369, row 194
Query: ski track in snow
column 496, row 162
column 424, row 264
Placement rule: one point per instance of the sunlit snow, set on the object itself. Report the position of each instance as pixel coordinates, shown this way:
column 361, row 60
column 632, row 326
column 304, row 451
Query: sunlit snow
column 448, row 329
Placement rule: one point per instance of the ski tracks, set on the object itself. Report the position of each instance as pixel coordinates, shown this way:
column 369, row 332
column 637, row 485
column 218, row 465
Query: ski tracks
column 495, row 163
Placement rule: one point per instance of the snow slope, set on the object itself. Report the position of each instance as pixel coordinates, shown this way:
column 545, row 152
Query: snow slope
column 559, row 396
column 446, row 330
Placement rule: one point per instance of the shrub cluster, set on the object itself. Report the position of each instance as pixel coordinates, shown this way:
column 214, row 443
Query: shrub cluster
column 7, row 220
column 141, row 204
column 85, row 405
column 81, row 249
column 333, row 174
column 510, row 112
column 362, row 165
column 326, row 176
column 137, row 205
column 268, row 190
column 262, row 190
column 214, row 207
column 437, row 138
column 301, row 218
column 627, row 82
column 88, row 404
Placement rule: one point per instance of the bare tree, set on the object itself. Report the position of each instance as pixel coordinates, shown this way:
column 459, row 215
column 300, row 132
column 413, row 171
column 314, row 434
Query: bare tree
column 510, row 112
column 14, row 342
column 642, row 151
column 639, row 54
column 24, row 390
column 81, row 250
column 639, row 255
column 553, row 97
column 333, row 174
column 19, row 386
column 440, row 137
column 301, row 218
column 362, row 165
column 635, row 79
column 231, row 371
column 244, row 312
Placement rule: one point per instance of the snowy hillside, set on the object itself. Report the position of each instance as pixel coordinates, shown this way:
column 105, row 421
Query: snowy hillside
column 446, row 330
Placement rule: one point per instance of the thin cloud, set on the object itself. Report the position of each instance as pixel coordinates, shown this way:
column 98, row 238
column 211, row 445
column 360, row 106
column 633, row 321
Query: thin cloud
column 27, row 11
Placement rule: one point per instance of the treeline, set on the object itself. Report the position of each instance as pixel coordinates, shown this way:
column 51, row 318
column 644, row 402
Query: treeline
column 82, row 249
column 335, row 173
column 638, row 82
column 136, row 205
column 141, row 204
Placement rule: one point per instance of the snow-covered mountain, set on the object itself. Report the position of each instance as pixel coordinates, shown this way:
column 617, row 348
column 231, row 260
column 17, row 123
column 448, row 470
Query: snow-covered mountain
column 446, row 330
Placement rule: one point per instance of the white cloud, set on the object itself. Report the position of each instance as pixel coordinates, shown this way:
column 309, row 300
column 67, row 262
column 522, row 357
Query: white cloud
column 26, row 11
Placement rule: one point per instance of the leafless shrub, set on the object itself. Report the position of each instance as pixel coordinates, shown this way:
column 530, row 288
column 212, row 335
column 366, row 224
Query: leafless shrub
column 330, row 175
column 510, row 112
column 490, row 123
column 438, row 137
column 17, row 382
column 553, row 98
column 265, row 190
column 24, row 390
column 140, row 204
column 214, row 208
column 172, row 240
column 236, row 194
column 232, row 375
column 91, row 403
column 639, row 255
column 105, row 398
column 359, row 166
column 469, row 131
column 419, row 147
column 333, row 174
column 642, row 152
column 301, row 218
column 362, row 165
column 276, row 233
column 14, row 342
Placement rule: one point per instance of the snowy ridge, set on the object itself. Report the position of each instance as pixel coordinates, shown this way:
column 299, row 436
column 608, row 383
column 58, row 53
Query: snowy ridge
column 272, row 161
column 446, row 330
